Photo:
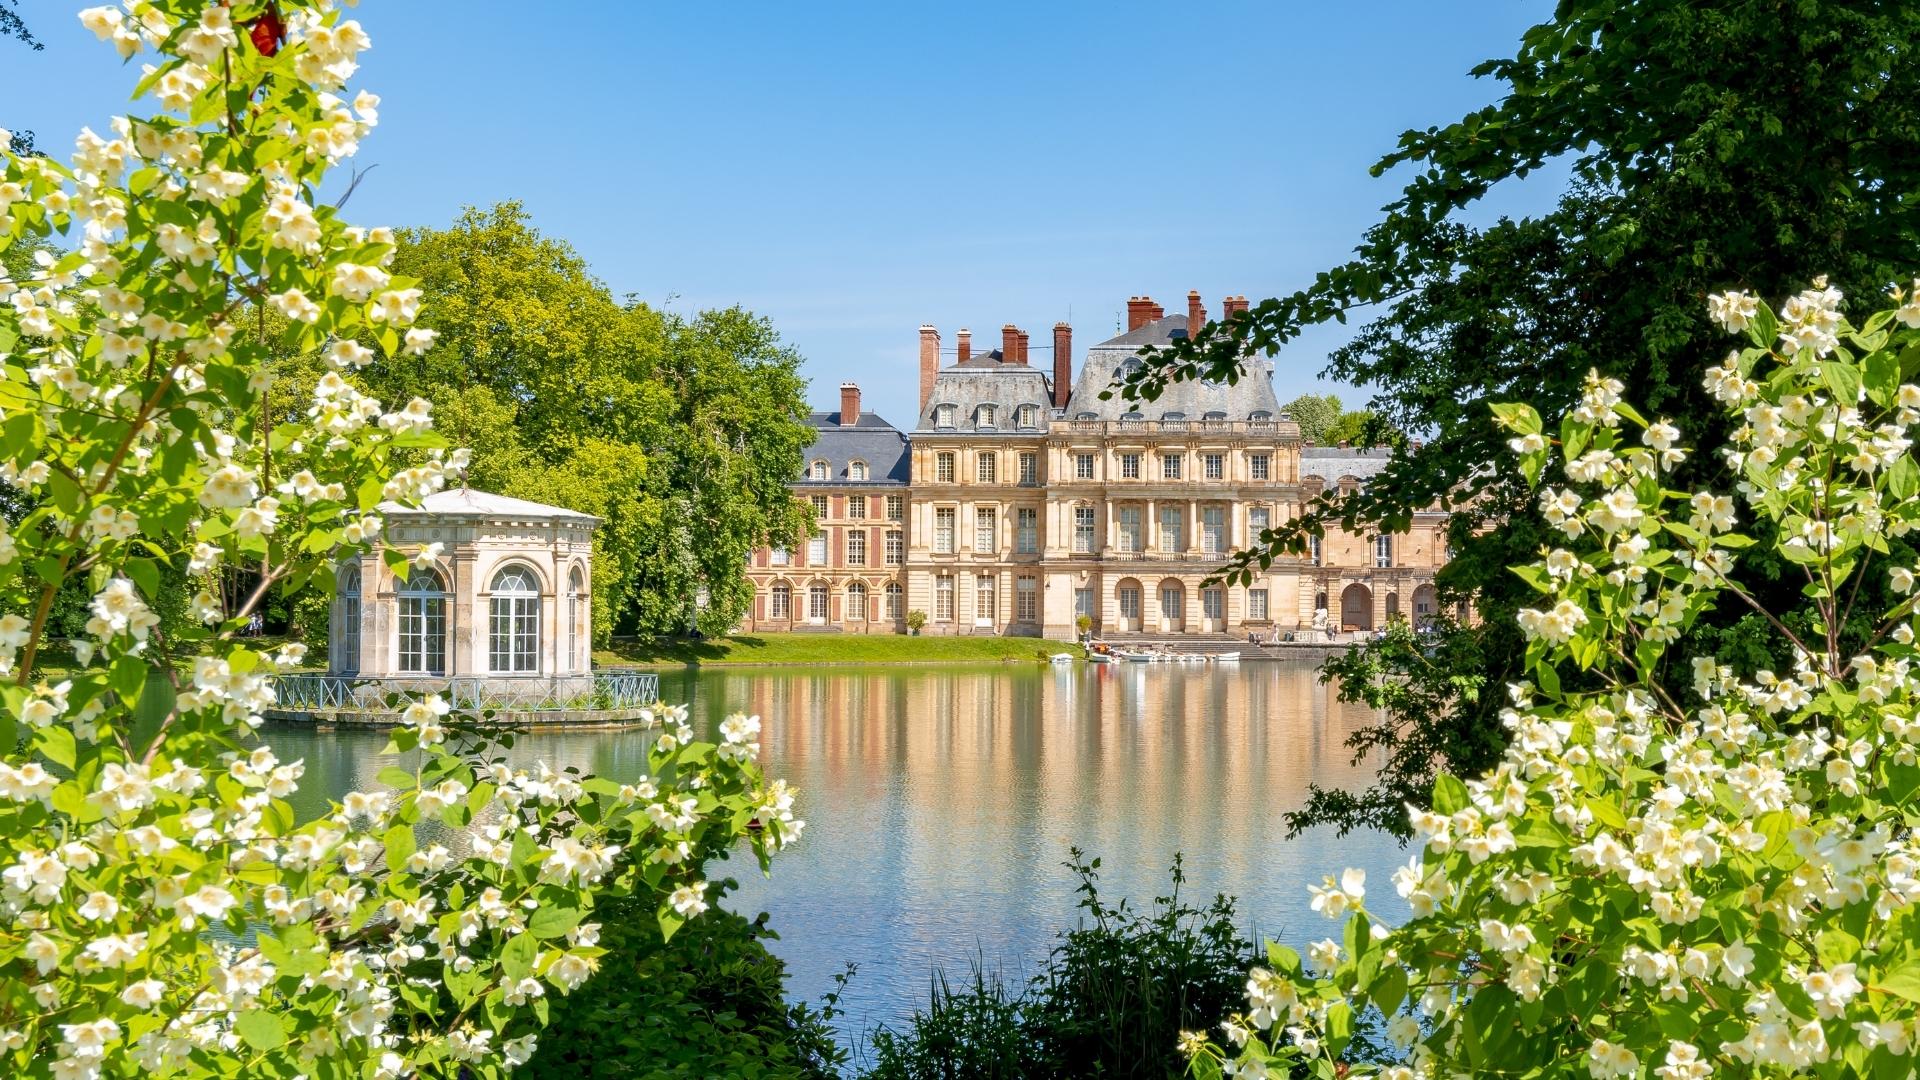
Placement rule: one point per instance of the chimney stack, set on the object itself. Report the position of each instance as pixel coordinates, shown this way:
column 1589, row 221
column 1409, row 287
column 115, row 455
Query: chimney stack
column 1009, row 344
column 964, row 337
column 849, row 404
column 1062, row 364
column 1023, row 348
column 1196, row 313
column 1231, row 306
column 1140, row 312
column 929, row 364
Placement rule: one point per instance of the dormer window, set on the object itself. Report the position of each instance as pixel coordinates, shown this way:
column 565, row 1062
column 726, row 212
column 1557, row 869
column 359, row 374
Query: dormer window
column 1215, row 415
column 943, row 416
column 1029, row 416
column 857, row 470
column 1087, row 416
column 1176, row 416
column 1260, row 414
column 983, row 416
column 1133, row 416
column 819, row 470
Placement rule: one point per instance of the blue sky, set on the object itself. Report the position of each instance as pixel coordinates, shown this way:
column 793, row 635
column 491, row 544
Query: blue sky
column 853, row 170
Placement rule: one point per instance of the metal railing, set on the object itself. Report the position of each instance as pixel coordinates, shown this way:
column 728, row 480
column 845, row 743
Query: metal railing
column 1176, row 427
column 611, row 690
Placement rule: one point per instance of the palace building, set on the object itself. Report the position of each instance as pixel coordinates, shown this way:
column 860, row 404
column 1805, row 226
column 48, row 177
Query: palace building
column 1023, row 502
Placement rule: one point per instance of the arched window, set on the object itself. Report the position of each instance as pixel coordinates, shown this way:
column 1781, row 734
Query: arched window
column 346, row 653
column 423, row 624
column 819, row 470
column 857, row 471
column 856, row 602
column 513, row 630
column 896, row 601
column 576, row 619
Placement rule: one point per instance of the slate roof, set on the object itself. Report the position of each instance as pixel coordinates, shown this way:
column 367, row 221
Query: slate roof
column 989, row 382
column 871, row 439
column 468, row 502
column 1330, row 463
column 1193, row 399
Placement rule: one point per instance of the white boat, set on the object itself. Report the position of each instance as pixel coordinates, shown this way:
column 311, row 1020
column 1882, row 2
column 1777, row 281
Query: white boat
column 1062, row 658
column 1225, row 658
column 1135, row 657
column 1099, row 658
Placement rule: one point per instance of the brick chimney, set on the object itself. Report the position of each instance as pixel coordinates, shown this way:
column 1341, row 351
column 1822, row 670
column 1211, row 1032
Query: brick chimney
column 929, row 364
column 1196, row 312
column 1062, row 364
column 1139, row 312
column 849, row 404
column 1009, row 344
column 1231, row 306
column 1023, row 348
column 964, row 339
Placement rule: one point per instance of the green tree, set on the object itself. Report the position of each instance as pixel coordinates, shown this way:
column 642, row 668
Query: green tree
column 680, row 433
column 1315, row 413
column 1709, row 145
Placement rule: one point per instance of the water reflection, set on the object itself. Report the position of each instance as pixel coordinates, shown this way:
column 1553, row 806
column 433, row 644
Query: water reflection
column 942, row 802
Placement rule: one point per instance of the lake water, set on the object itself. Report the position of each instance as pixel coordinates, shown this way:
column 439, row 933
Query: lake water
column 941, row 803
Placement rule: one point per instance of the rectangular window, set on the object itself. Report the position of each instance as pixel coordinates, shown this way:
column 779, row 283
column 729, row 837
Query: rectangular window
column 1213, row 604
column 781, row 604
column 1130, row 604
column 943, row 598
column 1029, row 469
column 943, row 530
column 1259, row 466
column 896, row 547
column 1026, row 600
column 1216, row 466
column 1083, row 530
column 1257, row 605
column 1173, row 533
column 423, row 635
column 817, row 604
column 896, row 507
column 943, row 467
column 1383, row 550
column 1083, row 603
column 817, row 551
column 1213, row 529
column 1172, row 600
column 857, row 507
column 857, row 548
column 1313, row 549
column 819, row 508
column 1129, row 466
column 513, row 638
column 986, row 468
column 983, row 600
column 779, row 557
column 1170, row 466
column 984, row 529
column 896, row 602
column 1083, row 466
column 1129, row 538
column 1259, row 520
column 1026, row 531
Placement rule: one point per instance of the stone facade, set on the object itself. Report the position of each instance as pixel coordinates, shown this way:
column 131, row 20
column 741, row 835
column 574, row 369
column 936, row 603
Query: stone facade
column 505, row 603
column 1029, row 503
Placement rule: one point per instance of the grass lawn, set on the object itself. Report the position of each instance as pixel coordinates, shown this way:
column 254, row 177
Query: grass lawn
column 830, row 649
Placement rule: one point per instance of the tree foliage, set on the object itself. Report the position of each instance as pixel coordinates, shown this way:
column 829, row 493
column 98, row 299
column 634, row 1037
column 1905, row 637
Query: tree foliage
column 681, row 434
column 1325, row 422
column 1709, row 145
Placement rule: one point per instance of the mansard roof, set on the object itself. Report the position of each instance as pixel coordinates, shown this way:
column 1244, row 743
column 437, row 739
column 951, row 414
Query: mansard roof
column 871, row 439
column 989, row 382
column 1334, row 463
column 1249, row 398
column 471, row 503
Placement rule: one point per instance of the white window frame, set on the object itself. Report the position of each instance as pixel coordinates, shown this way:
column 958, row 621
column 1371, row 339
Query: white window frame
column 856, row 601
column 513, row 621
column 943, row 465
column 1257, row 605
column 986, row 529
column 347, row 652
column 1083, row 466
column 986, row 467
column 1026, row 531
column 943, row 598
column 1260, row 466
column 945, row 523
column 896, row 551
column 1383, row 551
column 857, row 547
column 1026, row 599
column 422, row 624
column 1083, row 530
column 780, row 601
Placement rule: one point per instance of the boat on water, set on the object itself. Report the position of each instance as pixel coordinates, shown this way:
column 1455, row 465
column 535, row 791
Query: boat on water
column 1062, row 658
column 1135, row 657
column 1225, row 658
column 1099, row 658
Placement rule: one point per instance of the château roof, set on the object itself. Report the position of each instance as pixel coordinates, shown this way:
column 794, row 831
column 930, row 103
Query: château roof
column 1195, row 399
column 870, row 439
column 1334, row 463
column 986, row 381
column 468, row 502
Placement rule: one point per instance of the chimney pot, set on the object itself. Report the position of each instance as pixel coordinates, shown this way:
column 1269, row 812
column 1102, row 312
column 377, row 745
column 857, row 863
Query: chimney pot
column 1022, row 359
column 963, row 337
column 849, row 404
column 1196, row 312
column 1140, row 312
column 1009, row 344
column 929, row 364
column 1231, row 306
column 1062, row 364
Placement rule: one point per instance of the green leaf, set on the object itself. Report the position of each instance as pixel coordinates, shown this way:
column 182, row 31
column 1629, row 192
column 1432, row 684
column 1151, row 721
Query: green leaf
column 1449, row 794
column 516, row 959
column 1843, row 379
column 56, row 745
column 400, row 845
column 261, row 1029
column 1389, row 989
column 1882, row 376
column 553, row 920
column 155, row 705
column 1518, row 418
column 1901, row 982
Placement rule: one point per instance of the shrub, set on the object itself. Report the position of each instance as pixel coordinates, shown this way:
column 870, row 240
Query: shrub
column 706, row 1003
column 1115, row 994
column 1684, row 864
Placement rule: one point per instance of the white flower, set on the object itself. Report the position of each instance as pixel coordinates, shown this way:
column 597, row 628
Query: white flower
column 1333, row 900
column 689, row 900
